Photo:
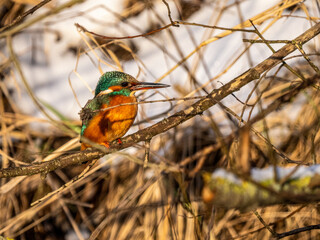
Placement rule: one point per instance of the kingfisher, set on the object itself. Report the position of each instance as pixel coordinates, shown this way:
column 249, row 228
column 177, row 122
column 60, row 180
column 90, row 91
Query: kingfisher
column 103, row 120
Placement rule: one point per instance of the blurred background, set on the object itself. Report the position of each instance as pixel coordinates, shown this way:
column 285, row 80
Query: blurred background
column 52, row 55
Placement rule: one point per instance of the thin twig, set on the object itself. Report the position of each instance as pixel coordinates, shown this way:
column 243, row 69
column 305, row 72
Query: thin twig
column 274, row 234
column 20, row 18
column 266, row 41
column 23, row 25
column 174, row 23
column 169, row 14
column 147, row 153
column 298, row 230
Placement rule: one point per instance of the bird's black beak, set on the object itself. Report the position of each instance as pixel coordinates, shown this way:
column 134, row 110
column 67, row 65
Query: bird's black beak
column 147, row 85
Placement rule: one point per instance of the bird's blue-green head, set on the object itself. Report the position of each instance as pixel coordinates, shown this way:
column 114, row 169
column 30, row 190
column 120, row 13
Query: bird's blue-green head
column 119, row 83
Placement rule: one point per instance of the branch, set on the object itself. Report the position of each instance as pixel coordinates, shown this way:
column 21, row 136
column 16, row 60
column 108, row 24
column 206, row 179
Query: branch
column 49, row 166
column 23, row 25
column 20, row 18
column 169, row 14
column 176, row 119
column 298, row 230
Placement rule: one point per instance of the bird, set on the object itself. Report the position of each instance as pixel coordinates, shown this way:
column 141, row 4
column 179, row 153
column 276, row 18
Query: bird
column 103, row 120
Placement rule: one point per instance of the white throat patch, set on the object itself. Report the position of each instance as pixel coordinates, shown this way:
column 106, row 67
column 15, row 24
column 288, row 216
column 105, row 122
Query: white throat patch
column 105, row 92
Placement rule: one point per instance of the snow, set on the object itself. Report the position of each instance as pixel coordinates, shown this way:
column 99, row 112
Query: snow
column 260, row 175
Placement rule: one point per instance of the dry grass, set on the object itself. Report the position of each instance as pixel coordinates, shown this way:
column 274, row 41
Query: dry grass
column 117, row 197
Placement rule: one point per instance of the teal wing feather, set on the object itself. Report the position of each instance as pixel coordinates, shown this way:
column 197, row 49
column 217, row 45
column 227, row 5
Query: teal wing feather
column 91, row 109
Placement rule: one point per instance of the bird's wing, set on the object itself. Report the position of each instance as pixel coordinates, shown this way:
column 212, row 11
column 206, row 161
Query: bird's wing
column 90, row 110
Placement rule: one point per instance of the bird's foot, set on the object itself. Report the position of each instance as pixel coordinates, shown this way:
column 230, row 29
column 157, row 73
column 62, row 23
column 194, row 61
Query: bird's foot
column 106, row 144
column 119, row 141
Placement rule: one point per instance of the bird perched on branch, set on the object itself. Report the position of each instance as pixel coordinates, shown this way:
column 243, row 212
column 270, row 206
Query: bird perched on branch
column 103, row 120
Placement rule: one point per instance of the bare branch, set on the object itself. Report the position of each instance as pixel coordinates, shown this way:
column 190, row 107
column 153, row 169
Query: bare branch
column 24, row 15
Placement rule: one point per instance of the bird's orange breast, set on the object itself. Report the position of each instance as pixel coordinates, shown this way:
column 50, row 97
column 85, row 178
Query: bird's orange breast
column 113, row 123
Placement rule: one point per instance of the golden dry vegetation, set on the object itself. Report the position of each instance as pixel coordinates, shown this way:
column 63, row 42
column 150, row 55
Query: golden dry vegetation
column 156, row 191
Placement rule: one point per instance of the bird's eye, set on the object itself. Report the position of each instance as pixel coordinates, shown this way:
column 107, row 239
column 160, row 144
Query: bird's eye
column 124, row 84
